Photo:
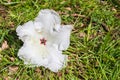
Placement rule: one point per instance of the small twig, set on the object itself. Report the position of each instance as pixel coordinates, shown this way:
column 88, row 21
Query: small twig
column 105, row 27
column 78, row 15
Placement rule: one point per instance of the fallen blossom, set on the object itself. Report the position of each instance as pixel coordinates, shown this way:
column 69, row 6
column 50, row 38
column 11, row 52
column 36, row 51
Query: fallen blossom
column 44, row 40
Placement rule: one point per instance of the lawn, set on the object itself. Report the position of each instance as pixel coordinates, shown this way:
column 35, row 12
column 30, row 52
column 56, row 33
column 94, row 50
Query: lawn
column 94, row 51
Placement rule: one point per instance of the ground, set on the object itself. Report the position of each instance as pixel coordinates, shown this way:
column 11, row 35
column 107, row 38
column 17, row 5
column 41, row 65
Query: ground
column 94, row 51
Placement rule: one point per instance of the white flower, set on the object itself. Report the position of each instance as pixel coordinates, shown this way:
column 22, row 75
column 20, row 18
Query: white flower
column 44, row 39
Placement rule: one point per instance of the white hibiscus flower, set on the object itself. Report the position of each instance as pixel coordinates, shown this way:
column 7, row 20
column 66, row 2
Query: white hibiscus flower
column 44, row 39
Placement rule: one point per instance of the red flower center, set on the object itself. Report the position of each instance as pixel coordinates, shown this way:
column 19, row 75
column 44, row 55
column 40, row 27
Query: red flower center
column 43, row 41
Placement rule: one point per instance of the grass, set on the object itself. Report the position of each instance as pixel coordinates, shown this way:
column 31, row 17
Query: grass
column 94, row 52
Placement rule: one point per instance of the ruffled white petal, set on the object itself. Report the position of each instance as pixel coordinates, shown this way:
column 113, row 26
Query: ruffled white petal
column 25, row 30
column 48, row 57
column 49, row 19
column 44, row 39
column 38, row 26
column 61, row 37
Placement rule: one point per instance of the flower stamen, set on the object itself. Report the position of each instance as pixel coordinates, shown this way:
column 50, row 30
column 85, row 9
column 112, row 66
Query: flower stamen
column 43, row 41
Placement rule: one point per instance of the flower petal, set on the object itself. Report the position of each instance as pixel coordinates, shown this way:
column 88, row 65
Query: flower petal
column 38, row 26
column 48, row 57
column 49, row 18
column 25, row 30
column 61, row 38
